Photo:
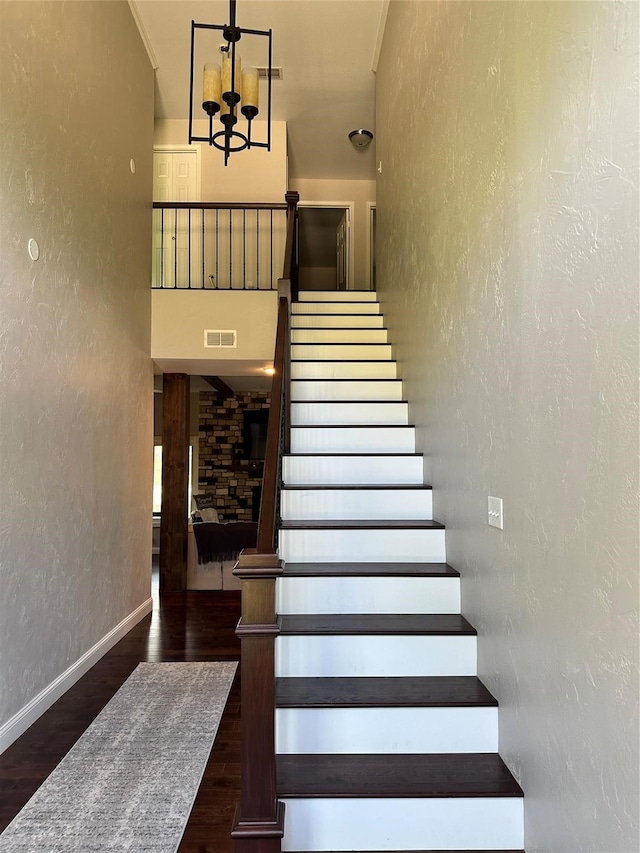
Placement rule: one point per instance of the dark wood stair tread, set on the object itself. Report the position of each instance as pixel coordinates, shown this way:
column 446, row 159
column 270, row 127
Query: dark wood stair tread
column 413, row 851
column 336, row 328
column 348, row 361
column 352, row 402
column 358, row 455
column 370, row 570
column 348, row 486
column 352, row 426
column 365, row 524
column 342, row 379
column 451, row 624
column 422, row 775
column 339, row 344
column 358, row 426
column 460, row 691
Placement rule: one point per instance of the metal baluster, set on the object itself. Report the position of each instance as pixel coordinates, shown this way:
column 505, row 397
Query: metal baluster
column 230, row 249
column 216, row 279
column 175, row 247
column 202, row 221
column 189, row 256
column 271, row 250
column 244, row 248
column 257, row 250
column 162, row 247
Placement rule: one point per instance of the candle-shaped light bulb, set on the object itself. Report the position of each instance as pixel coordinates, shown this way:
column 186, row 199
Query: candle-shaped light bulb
column 211, row 88
column 250, row 89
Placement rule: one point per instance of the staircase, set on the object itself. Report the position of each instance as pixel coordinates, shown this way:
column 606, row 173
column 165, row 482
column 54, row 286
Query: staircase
column 386, row 739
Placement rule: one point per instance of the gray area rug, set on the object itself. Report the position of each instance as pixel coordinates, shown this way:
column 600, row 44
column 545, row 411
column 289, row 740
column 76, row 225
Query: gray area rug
column 130, row 781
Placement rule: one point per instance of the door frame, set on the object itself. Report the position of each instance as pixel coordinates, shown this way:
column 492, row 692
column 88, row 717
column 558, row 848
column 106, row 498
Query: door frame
column 350, row 207
column 371, row 207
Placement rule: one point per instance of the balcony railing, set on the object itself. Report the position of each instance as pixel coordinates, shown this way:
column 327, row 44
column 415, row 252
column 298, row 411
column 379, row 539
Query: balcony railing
column 218, row 245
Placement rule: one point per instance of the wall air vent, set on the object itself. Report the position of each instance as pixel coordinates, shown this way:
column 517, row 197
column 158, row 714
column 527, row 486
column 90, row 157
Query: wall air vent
column 216, row 338
column 263, row 73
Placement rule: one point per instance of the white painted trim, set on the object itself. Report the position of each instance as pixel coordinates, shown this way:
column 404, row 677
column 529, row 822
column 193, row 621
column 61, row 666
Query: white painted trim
column 409, row 823
column 20, row 722
column 344, row 731
column 382, row 23
column 341, row 205
column 143, row 34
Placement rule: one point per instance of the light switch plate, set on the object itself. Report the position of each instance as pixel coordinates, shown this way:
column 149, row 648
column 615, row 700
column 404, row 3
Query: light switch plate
column 495, row 514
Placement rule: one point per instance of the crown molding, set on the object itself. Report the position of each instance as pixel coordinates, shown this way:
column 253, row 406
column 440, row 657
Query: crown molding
column 143, row 34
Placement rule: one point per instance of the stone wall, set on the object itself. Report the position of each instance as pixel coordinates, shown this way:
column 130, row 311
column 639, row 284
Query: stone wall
column 222, row 470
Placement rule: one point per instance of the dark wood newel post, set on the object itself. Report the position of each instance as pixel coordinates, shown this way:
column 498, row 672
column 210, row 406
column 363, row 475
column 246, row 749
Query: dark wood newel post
column 175, row 482
column 291, row 251
column 258, row 824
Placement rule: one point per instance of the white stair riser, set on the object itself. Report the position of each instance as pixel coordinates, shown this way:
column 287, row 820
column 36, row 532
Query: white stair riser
column 390, row 389
column 343, row 370
column 340, row 352
column 353, row 440
column 337, row 296
column 368, row 595
column 358, row 546
column 438, row 823
column 301, row 731
column 352, row 470
column 361, row 413
column 334, row 321
column 335, row 308
column 361, row 655
column 340, row 336
column 334, row 504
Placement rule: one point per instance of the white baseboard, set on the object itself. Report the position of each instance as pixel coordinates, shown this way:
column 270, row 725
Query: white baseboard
column 20, row 722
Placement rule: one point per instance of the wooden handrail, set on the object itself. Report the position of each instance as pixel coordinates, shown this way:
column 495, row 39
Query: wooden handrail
column 219, row 205
column 271, row 477
column 258, row 824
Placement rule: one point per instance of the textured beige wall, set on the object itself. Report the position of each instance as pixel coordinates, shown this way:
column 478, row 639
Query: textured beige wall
column 508, row 266
column 358, row 192
column 75, row 372
column 179, row 320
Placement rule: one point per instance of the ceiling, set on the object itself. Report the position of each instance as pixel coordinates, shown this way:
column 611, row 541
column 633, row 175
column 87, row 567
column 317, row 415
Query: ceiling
column 240, row 375
column 238, row 384
column 327, row 50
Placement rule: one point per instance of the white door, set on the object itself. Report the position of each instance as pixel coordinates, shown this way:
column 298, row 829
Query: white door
column 176, row 241
column 342, row 251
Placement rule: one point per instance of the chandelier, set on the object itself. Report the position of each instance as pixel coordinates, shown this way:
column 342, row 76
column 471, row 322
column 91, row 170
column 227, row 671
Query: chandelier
column 230, row 90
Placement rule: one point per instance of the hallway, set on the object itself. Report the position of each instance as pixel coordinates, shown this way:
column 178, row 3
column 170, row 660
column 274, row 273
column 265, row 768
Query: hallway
column 194, row 626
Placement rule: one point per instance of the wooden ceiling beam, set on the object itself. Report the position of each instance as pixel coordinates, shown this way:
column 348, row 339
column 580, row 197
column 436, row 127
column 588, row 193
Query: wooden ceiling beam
column 219, row 385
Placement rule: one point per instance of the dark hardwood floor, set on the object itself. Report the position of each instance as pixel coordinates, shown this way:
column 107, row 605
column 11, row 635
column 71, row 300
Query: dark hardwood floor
column 192, row 626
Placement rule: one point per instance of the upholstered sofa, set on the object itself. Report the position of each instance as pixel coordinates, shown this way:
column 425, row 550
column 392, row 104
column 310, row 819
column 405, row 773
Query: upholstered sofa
column 212, row 552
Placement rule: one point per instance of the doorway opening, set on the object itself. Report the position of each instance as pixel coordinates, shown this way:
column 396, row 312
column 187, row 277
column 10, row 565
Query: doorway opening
column 371, row 248
column 324, row 245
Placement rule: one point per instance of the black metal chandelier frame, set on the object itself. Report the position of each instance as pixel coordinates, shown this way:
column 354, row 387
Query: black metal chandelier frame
column 230, row 140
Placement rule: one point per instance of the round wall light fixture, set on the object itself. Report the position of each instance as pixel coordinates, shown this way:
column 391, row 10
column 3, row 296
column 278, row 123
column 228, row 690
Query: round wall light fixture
column 360, row 138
